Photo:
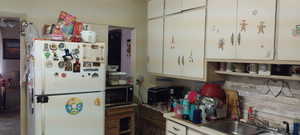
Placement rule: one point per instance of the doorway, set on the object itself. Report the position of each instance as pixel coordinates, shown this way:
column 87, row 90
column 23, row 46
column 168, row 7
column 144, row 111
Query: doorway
column 120, row 54
column 10, row 29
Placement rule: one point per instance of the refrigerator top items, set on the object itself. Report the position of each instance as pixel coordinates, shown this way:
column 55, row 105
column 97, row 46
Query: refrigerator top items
column 66, row 67
column 117, row 78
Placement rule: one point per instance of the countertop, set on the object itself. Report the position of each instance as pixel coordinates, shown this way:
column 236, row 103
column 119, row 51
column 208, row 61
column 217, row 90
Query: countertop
column 197, row 127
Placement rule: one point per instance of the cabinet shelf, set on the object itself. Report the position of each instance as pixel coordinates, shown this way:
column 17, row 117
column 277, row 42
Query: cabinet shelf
column 259, row 76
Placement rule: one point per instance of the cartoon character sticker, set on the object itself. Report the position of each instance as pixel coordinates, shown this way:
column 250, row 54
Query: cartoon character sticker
column 261, row 27
column 74, row 106
column 243, row 26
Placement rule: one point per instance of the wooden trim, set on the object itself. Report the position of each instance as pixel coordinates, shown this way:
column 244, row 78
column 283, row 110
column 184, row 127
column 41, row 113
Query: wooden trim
column 259, row 76
column 255, row 61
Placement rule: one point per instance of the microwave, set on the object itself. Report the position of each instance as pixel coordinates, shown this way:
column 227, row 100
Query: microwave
column 118, row 95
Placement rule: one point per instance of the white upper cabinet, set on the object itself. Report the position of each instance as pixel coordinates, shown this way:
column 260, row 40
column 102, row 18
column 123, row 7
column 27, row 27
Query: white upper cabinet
column 173, row 6
column 289, row 30
column 173, row 60
column 192, row 40
column 155, row 8
column 189, row 4
column 241, row 29
column 256, row 29
column 155, row 45
column 221, row 29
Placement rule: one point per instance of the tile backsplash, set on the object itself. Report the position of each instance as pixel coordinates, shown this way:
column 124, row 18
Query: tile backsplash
column 254, row 92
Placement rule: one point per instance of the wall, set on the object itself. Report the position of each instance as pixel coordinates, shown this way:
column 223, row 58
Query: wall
column 8, row 66
column 125, row 58
column 127, row 13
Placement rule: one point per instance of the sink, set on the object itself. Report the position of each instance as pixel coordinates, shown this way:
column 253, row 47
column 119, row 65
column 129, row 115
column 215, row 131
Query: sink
column 235, row 128
column 267, row 132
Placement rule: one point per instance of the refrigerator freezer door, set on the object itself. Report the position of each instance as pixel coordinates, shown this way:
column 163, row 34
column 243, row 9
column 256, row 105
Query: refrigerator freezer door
column 77, row 114
column 65, row 67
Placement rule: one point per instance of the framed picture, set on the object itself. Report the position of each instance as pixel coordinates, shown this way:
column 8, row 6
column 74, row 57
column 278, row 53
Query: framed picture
column 11, row 48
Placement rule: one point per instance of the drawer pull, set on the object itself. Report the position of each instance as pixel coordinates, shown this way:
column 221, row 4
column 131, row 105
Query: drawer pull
column 176, row 129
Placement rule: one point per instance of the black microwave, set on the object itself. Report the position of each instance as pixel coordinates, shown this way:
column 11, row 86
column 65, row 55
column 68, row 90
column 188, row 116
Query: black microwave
column 118, row 95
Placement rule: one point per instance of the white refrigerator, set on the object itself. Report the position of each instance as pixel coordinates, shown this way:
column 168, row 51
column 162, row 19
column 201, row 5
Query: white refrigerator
column 66, row 88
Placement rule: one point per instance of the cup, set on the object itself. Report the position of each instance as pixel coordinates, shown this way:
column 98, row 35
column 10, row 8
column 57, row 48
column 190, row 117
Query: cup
column 240, row 68
column 295, row 71
column 229, row 67
column 264, row 69
column 252, row 68
column 222, row 66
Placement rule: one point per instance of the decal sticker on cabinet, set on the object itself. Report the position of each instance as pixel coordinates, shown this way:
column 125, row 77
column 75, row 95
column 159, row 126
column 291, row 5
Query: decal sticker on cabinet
column 261, row 27
column 244, row 26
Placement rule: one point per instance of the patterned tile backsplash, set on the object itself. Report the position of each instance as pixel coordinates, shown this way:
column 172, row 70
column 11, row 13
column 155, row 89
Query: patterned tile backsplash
column 259, row 93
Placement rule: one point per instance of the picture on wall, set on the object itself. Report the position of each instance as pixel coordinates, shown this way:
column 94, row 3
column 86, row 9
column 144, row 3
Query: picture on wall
column 11, row 48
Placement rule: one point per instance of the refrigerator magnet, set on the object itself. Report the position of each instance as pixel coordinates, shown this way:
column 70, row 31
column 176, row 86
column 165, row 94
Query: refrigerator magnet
column 46, row 47
column 297, row 30
column 74, row 106
column 49, row 64
column 53, row 47
column 97, row 102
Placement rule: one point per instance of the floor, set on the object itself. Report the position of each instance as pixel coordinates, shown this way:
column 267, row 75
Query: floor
column 9, row 119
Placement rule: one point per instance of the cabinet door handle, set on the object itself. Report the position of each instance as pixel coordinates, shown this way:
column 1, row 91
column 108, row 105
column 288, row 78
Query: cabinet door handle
column 178, row 60
column 232, row 39
column 182, row 60
column 176, row 129
column 239, row 39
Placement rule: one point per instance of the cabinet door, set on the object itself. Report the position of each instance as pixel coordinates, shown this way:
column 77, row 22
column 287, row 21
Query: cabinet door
column 256, row 29
column 155, row 8
column 173, row 6
column 193, row 42
column 155, row 45
column 289, row 30
column 221, row 28
column 193, row 132
column 172, row 47
column 189, row 4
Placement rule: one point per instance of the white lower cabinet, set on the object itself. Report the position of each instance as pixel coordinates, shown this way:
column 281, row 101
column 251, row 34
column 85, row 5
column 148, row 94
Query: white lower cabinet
column 194, row 132
column 174, row 128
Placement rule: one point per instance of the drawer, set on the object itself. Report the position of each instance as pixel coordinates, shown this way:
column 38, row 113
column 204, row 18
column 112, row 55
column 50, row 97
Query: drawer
column 175, row 128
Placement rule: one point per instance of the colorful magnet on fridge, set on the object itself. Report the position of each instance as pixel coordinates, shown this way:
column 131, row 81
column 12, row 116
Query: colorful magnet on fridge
column 61, row 46
column 87, row 64
column 96, row 64
column 74, row 106
column 56, row 74
column 46, row 47
column 95, row 75
column 53, row 47
column 61, row 64
column 49, row 64
column 68, row 55
column 55, row 57
column 47, row 54
column 76, row 66
column 261, row 26
column 63, row 75
column 94, row 46
column 97, row 102
column 68, row 66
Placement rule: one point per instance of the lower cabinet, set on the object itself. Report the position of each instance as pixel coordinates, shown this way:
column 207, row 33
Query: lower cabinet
column 173, row 128
column 194, row 132
column 120, row 120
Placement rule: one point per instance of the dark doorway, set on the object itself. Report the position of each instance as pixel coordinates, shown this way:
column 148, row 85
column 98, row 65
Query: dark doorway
column 114, row 47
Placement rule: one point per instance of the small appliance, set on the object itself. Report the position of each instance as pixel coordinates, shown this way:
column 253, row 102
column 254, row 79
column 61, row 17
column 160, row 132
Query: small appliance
column 163, row 94
column 119, row 95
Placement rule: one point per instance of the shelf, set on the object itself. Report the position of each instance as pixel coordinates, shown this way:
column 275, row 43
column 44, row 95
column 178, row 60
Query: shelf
column 259, row 76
